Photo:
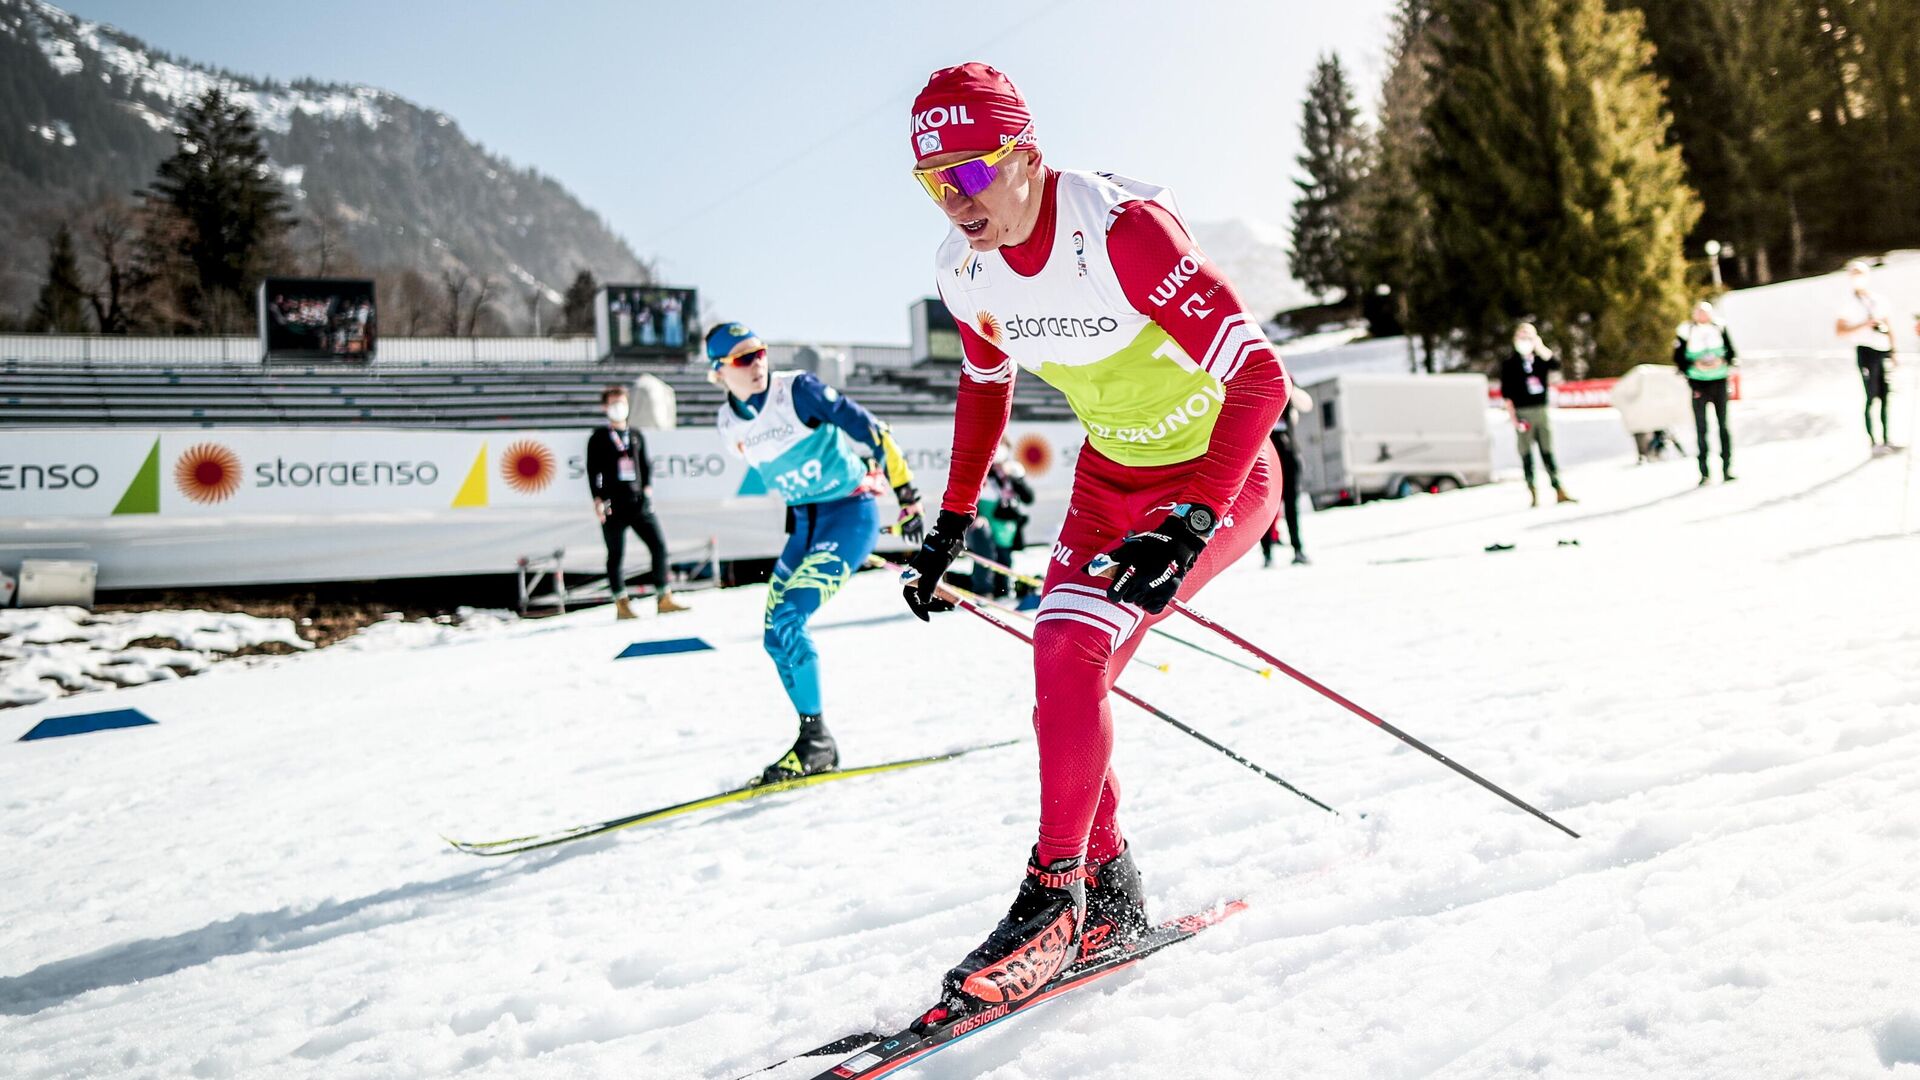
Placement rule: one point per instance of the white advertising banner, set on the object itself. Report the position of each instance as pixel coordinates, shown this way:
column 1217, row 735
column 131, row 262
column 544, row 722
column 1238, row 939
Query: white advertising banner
column 249, row 505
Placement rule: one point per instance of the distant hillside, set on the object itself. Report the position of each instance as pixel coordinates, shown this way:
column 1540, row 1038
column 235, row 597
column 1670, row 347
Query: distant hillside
column 85, row 112
column 1254, row 256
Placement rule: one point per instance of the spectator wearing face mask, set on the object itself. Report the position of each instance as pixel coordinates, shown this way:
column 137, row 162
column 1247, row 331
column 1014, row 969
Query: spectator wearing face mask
column 1523, row 383
column 622, row 487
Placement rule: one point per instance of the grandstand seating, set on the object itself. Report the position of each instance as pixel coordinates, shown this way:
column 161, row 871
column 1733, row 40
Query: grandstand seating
column 1032, row 399
column 500, row 395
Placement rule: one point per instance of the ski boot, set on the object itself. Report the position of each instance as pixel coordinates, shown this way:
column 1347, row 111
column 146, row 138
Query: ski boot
column 1032, row 944
column 813, row 752
column 1116, row 906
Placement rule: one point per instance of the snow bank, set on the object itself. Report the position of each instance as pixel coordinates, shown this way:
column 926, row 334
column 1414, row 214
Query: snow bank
column 49, row 652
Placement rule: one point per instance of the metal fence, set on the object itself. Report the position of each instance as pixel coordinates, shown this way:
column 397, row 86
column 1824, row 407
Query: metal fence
column 110, row 349
column 184, row 351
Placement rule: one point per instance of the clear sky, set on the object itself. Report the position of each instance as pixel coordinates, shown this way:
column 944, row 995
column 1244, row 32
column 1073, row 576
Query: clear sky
column 759, row 150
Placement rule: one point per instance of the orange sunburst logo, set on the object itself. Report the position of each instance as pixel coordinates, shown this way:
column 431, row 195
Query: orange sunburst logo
column 527, row 466
column 207, row 473
column 1034, row 452
column 989, row 326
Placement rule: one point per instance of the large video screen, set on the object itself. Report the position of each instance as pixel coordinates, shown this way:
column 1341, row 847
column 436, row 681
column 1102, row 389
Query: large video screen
column 317, row 319
column 645, row 320
column 935, row 335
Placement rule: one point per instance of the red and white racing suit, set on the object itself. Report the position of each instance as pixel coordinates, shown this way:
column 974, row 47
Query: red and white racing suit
column 1110, row 301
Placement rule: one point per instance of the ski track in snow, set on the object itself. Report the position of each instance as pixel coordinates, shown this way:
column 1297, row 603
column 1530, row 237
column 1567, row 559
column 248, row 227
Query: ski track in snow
column 1716, row 687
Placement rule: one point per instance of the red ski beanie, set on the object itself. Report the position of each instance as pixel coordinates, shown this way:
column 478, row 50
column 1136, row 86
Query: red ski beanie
column 972, row 107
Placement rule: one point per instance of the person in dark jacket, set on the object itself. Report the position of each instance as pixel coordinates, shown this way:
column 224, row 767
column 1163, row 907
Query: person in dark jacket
column 1523, row 382
column 1283, row 445
column 1703, row 351
column 622, row 487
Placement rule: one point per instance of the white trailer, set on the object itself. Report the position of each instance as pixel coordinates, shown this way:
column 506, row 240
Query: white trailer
column 1384, row 436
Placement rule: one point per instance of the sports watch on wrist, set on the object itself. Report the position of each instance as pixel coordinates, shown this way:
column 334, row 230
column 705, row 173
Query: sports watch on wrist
column 1198, row 520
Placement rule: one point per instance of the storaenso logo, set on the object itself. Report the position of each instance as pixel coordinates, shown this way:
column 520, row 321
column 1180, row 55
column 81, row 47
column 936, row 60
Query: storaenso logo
column 1190, row 410
column 692, row 466
column 47, row 477
column 940, row 116
column 784, row 431
column 1182, row 272
column 1059, row 326
column 283, row 473
column 925, row 460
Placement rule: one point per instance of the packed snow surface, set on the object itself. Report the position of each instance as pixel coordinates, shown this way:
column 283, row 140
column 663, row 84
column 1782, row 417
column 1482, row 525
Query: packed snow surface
column 1715, row 686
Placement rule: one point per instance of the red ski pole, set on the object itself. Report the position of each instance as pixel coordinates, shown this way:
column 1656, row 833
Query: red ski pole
column 1307, row 680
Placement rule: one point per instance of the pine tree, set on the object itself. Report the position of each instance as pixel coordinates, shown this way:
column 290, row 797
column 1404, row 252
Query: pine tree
column 1395, row 219
column 1745, row 87
column 576, row 309
column 230, row 215
column 1556, row 192
column 62, row 307
column 1334, row 159
column 1794, row 116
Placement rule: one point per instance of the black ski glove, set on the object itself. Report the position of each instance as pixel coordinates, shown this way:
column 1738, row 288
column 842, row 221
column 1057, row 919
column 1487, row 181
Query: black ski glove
column 1147, row 568
column 929, row 564
column 912, row 525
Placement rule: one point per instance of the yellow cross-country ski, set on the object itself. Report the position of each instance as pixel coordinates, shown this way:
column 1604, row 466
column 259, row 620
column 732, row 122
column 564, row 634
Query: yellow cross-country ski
column 518, row 844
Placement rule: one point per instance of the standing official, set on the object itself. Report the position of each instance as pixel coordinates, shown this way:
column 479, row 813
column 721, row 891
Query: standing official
column 1703, row 351
column 1866, row 321
column 622, row 487
column 1523, row 382
column 1288, row 452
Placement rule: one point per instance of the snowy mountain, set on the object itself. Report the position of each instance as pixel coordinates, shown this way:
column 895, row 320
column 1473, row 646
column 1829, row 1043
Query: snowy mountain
column 1254, row 255
column 85, row 112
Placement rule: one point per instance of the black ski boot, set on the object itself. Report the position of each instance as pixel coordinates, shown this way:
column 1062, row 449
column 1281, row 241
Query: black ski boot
column 1116, row 906
column 1031, row 945
column 813, row 752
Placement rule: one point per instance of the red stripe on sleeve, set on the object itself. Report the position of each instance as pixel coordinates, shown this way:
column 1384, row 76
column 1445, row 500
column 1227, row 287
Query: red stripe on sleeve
column 1167, row 278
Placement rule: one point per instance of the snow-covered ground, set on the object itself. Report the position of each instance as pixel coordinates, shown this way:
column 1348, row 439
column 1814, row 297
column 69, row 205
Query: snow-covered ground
column 51, row 651
column 1716, row 686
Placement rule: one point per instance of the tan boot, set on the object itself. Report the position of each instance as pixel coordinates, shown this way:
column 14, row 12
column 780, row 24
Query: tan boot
column 622, row 608
column 667, row 605
column 1560, row 496
column 1533, row 496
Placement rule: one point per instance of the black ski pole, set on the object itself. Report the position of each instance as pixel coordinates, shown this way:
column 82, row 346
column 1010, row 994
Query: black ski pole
column 1029, row 579
column 961, row 598
column 1306, row 680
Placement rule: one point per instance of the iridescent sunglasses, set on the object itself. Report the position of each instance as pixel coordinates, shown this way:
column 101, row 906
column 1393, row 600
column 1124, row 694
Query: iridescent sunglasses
column 745, row 359
column 972, row 176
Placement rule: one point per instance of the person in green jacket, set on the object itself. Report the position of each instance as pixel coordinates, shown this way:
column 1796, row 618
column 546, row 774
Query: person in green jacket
column 1703, row 350
column 1004, row 499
